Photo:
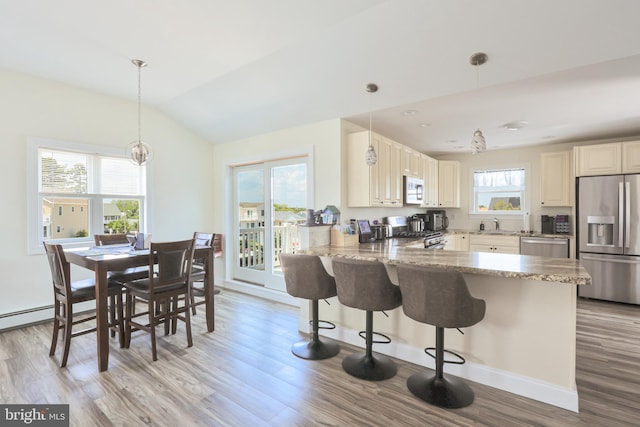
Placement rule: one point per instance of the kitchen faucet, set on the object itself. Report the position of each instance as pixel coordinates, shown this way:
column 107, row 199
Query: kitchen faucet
column 497, row 223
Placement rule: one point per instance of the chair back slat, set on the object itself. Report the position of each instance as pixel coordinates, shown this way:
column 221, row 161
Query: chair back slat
column 174, row 261
column 60, row 269
column 110, row 239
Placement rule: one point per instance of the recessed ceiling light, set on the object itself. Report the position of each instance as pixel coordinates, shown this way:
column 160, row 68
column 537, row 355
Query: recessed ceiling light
column 516, row 125
column 450, row 141
column 459, row 147
column 409, row 112
column 424, row 125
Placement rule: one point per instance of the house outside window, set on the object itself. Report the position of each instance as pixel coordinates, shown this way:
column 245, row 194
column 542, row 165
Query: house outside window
column 499, row 191
column 108, row 189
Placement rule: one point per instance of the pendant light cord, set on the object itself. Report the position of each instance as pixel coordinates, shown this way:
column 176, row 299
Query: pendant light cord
column 139, row 102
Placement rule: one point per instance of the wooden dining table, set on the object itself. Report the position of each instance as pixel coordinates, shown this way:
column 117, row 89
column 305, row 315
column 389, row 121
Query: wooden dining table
column 102, row 259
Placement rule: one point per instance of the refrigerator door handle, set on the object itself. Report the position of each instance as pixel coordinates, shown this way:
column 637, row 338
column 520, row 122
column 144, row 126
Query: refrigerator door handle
column 627, row 213
column 620, row 213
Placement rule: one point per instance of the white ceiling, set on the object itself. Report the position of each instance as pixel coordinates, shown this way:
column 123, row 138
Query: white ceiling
column 233, row 69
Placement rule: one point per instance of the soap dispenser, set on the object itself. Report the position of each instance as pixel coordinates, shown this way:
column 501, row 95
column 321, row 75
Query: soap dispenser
column 481, row 225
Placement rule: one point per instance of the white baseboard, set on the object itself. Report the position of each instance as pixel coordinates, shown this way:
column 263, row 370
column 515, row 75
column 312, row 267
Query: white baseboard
column 528, row 387
column 261, row 292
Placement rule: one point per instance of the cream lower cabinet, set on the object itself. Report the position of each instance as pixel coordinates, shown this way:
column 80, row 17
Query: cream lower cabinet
column 448, row 184
column 377, row 185
column 556, row 179
column 493, row 243
column 457, row 242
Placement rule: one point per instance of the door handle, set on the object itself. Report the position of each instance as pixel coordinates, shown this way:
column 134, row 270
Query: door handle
column 620, row 214
column 627, row 213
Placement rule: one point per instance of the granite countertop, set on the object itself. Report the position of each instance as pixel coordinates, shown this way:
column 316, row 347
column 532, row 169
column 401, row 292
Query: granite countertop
column 507, row 233
column 409, row 251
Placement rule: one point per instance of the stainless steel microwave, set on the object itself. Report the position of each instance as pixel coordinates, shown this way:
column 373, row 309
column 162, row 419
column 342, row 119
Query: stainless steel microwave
column 413, row 191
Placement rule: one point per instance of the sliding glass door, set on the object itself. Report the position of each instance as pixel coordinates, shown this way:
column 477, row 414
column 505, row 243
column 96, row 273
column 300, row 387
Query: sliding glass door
column 270, row 200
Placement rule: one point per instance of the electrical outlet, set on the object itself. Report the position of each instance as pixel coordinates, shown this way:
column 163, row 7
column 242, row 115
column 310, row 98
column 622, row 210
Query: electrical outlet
column 453, row 216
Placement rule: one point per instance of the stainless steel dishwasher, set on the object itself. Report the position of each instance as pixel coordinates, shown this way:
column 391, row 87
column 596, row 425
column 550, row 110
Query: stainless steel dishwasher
column 556, row 247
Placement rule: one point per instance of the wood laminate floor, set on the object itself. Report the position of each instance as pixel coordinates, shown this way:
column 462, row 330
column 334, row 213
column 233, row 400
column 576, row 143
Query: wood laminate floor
column 244, row 374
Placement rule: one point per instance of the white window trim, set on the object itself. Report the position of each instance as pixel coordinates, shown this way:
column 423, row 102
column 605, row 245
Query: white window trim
column 527, row 191
column 34, row 236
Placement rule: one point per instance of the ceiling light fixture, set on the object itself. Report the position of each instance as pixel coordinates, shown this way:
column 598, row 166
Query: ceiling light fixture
column 478, row 143
column 516, row 125
column 371, row 158
column 139, row 151
column 409, row 112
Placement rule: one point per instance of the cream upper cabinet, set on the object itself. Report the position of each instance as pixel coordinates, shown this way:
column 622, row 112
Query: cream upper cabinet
column 631, row 157
column 390, row 160
column 556, row 179
column 493, row 243
column 608, row 159
column 601, row 159
column 377, row 185
column 430, row 173
column 448, row 184
column 412, row 163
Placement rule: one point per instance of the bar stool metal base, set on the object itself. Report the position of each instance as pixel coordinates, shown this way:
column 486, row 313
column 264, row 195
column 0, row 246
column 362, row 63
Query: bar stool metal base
column 445, row 392
column 322, row 348
column 373, row 368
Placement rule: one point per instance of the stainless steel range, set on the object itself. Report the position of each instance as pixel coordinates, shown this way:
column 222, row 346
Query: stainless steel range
column 397, row 226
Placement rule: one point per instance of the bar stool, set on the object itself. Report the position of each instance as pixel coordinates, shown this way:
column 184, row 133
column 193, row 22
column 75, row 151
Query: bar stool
column 365, row 285
column 440, row 298
column 306, row 277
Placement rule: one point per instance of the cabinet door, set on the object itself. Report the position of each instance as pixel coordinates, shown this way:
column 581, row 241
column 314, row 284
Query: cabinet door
column 362, row 179
column 601, row 159
column 395, row 175
column 462, row 242
column 506, row 250
column 480, row 248
column 555, row 179
column 430, row 182
column 631, row 157
column 448, row 184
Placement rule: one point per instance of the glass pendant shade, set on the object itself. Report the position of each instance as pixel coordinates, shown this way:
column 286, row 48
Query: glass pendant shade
column 371, row 157
column 478, row 144
column 140, row 153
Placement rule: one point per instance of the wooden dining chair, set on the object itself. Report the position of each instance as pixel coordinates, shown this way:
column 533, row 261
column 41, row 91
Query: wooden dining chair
column 67, row 293
column 173, row 263
column 198, row 271
column 121, row 276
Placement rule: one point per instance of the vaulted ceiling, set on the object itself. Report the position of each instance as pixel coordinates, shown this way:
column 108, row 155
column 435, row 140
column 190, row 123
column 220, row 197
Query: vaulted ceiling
column 229, row 70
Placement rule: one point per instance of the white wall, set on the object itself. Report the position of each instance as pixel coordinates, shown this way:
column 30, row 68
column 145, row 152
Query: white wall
column 181, row 170
column 460, row 218
column 319, row 140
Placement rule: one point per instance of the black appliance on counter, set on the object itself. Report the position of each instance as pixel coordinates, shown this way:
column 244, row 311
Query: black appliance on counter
column 365, row 235
column 436, row 220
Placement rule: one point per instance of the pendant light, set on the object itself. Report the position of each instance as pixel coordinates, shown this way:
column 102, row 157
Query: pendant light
column 478, row 143
column 371, row 158
column 139, row 151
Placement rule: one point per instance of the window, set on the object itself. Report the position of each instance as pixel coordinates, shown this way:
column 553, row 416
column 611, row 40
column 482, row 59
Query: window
column 108, row 189
column 499, row 191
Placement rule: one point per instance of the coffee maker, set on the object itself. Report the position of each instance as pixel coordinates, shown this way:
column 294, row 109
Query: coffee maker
column 437, row 220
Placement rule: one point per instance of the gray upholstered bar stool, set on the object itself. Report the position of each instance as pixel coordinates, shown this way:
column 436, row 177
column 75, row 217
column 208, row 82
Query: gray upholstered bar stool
column 306, row 277
column 365, row 285
column 440, row 298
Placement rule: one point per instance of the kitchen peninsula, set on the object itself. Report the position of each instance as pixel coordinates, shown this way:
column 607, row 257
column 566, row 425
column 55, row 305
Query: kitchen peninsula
column 526, row 343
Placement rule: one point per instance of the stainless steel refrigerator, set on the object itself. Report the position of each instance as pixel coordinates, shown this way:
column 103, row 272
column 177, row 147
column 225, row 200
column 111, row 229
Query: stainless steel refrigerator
column 609, row 236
